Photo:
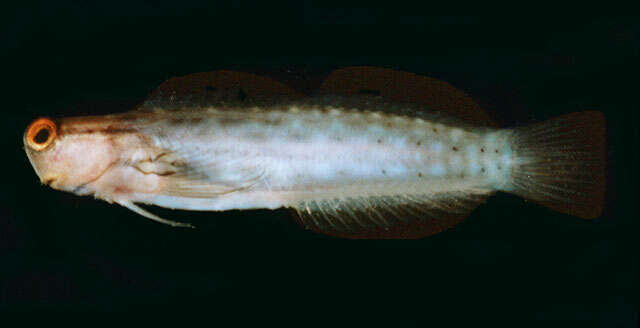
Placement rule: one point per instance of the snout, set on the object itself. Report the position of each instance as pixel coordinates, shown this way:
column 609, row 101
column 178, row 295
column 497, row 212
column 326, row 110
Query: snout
column 54, row 181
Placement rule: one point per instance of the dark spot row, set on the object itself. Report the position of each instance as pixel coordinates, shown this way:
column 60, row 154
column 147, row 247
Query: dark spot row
column 193, row 120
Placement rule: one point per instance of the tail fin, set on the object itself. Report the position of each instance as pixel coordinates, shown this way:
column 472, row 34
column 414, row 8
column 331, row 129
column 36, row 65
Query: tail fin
column 560, row 163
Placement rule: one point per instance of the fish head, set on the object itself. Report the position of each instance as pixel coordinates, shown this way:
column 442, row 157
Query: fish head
column 65, row 160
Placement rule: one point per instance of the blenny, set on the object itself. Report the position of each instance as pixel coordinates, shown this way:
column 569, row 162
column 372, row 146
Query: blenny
column 376, row 153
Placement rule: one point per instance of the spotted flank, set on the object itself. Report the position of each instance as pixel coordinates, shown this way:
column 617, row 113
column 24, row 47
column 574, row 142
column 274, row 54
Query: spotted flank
column 374, row 153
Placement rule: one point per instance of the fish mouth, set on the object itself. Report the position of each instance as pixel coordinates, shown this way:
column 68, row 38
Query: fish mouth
column 54, row 182
column 49, row 182
column 78, row 190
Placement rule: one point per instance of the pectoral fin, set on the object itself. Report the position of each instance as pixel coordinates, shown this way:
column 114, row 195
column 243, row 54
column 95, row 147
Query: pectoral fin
column 199, row 176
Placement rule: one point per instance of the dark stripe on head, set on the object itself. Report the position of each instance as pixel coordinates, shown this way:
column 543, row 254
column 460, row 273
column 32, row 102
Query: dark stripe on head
column 96, row 129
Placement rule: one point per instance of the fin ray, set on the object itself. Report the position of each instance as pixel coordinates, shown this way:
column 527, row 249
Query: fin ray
column 388, row 217
column 560, row 163
column 392, row 84
column 139, row 210
column 215, row 87
column 191, row 171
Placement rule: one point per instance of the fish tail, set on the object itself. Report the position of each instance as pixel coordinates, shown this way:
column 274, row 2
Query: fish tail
column 560, row 163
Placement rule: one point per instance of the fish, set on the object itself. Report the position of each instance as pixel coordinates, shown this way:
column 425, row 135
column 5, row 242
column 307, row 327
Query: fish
column 375, row 153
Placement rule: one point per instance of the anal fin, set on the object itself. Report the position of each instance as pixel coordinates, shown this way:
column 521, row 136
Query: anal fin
column 388, row 217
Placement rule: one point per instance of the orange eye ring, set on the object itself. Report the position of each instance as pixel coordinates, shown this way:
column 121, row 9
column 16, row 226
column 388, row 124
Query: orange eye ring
column 41, row 133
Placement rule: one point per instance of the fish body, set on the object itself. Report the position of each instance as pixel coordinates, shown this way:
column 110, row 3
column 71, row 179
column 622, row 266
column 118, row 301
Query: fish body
column 352, row 166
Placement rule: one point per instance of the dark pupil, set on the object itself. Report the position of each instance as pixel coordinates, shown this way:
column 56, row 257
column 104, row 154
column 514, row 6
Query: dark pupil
column 42, row 136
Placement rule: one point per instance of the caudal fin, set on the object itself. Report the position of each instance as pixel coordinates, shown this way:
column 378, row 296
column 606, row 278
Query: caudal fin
column 560, row 163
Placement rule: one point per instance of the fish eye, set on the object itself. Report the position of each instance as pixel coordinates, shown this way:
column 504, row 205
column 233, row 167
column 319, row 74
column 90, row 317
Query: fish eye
column 41, row 134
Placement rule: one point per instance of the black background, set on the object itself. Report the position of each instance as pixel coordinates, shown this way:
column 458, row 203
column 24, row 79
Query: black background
column 510, row 260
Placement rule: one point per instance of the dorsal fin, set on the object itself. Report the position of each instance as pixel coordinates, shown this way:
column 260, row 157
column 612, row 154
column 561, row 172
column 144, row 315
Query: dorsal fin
column 388, row 217
column 408, row 88
column 220, row 85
